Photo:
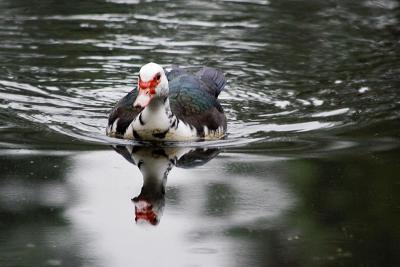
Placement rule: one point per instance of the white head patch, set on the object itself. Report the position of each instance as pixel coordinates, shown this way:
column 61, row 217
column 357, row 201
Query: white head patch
column 148, row 71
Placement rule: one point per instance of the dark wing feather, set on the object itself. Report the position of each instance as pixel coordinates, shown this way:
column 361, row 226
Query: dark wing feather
column 213, row 78
column 192, row 102
column 125, row 112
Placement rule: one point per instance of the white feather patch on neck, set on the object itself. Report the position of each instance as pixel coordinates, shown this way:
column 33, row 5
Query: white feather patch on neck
column 157, row 118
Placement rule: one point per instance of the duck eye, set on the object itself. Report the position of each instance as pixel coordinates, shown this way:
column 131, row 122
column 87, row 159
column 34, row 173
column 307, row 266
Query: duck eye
column 158, row 76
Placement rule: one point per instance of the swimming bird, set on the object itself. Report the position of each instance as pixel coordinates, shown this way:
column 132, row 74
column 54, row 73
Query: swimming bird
column 171, row 106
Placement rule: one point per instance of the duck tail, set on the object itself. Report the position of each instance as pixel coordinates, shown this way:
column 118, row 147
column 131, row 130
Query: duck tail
column 214, row 78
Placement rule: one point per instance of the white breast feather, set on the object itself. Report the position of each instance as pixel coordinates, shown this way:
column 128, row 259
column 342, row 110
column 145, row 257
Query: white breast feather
column 183, row 132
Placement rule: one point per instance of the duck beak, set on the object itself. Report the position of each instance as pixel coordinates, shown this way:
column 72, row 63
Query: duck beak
column 143, row 98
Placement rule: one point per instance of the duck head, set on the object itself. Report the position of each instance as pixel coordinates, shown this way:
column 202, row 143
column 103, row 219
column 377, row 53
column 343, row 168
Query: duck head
column 152, row 84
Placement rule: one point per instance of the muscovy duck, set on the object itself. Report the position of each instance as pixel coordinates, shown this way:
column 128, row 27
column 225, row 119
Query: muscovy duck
column 171, row 106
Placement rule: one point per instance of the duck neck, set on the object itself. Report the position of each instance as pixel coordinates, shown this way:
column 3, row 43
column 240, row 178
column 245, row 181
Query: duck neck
column 157, row 115
column 157, row 104
column 157, row 122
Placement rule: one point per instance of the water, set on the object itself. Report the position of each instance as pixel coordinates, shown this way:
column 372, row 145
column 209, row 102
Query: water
column 308, row 175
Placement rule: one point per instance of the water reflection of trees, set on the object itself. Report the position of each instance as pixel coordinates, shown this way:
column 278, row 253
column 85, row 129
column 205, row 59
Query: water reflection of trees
column 347, row 210
column 345, row 214
column 33, row 198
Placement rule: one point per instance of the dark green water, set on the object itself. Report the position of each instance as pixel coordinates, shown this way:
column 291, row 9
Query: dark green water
column 308, row 176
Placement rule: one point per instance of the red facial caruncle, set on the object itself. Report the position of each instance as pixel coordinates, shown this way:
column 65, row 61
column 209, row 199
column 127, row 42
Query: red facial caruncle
column 152, row 84
column 147, row 90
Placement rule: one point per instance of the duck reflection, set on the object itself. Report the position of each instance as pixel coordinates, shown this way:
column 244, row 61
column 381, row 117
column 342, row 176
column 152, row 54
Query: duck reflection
column 155, row 164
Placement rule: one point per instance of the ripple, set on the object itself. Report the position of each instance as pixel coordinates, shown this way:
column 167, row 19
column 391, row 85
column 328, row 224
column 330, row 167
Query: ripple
column 130, row 2
column 64, row 68
column 331, row 113
column 93, row 17
column 196, row 23
column 258, row 2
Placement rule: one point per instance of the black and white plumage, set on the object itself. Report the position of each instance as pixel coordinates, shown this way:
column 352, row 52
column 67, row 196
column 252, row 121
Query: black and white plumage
column 173, row 106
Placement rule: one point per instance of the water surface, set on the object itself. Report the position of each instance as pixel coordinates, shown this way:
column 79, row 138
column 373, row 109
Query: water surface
column 308, row 174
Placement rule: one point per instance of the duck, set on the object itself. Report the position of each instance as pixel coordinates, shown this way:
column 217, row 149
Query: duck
column 173, row 105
